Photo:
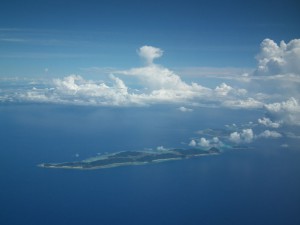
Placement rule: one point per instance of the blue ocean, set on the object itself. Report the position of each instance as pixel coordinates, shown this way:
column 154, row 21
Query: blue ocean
column 259, row 185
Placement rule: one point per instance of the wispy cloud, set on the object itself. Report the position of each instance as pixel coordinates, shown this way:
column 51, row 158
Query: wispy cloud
column 38, row 55
column 46, row 37
column 98, row 70
column 17, row 40
column 230, row 73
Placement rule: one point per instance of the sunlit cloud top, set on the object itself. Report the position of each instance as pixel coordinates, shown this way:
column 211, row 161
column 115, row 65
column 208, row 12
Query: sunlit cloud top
column 160, row 85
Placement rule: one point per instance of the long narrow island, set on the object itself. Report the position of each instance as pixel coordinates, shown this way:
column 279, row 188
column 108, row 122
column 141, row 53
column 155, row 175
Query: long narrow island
column 132, row 158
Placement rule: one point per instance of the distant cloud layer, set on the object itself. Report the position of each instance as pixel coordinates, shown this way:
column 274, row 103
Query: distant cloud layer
column 278, row 64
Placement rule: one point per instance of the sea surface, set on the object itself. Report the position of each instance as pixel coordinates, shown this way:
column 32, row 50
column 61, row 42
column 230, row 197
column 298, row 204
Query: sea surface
column 257, row 186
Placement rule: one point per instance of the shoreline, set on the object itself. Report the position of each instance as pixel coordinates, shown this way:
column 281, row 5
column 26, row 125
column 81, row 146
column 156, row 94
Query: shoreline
column 131, row 158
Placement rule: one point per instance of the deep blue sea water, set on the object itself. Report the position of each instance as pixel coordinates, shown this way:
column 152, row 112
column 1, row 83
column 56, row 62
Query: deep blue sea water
column 254, row 186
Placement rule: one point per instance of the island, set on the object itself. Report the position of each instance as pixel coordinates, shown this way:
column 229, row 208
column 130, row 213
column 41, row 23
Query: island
column 132, row 158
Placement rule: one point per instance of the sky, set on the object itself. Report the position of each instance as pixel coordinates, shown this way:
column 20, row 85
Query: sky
column 65, row 37
column 82, row 78
column 188, row 54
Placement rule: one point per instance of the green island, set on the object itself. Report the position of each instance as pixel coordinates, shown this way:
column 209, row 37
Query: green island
column 132, row 158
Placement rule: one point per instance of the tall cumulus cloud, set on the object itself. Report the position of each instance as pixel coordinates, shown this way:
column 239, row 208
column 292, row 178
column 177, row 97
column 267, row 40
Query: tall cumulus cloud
column 282, row 58
column 149, row 53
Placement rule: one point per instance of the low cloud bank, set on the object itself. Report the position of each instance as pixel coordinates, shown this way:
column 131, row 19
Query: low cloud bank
column 160, row 85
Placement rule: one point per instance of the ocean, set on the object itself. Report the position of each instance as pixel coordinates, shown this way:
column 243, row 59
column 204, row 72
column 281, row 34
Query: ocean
column 259, row 185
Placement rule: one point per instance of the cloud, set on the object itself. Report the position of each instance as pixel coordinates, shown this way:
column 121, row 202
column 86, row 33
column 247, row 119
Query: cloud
column 150, row 53
column 160, row 85
column 235, row 137
column 98, row 70
column 163, row 85
column 161, row 148
column 249, row 103
column 292, row 135
column 269, row 134
column 223, row 89
column 268, row 123
column 291, row 105
column 17, row 40
column 228, row 73
column 156, row 77
column 276, row 59
column 278, row 69
column 78, row 90
column 192, row 143
column 215, row 140
column 184, row 109
column 284, row 145
column 288, row 111
column 153, row 84
column 157, row 85
column 204, row 142
column 278, row 75
column 246, row 135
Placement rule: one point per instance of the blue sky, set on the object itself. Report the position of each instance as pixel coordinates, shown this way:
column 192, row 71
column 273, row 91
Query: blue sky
column 233, row 55
column 84, row 77
column 67, row 36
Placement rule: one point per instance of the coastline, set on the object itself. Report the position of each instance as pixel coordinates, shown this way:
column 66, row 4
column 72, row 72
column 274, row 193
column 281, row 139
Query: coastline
column 131, row 158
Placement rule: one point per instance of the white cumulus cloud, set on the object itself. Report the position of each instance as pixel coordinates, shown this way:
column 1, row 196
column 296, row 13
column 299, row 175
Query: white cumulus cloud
column 204, row 142
column 156, row 77
column 155, row 84
column 270, row 134
column 192, row 143
column 235, row 137
column 77, row 89
column 269, row 123
column 223, row 89
column 288, row 111
column 246, row 135
column 215, row 140
column 278, row 59
column 149, row 53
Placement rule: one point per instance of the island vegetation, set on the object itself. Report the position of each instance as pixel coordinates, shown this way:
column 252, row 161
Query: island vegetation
column 132, row 158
